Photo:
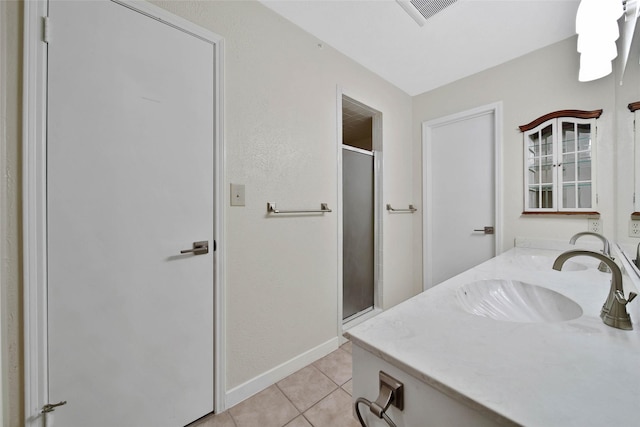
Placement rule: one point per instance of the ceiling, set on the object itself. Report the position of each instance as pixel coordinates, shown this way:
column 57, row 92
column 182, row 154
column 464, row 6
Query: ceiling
column 357, row 124
column 467, row 37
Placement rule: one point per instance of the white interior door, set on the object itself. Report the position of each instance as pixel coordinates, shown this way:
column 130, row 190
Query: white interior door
column 460, row 194
column 130, row 184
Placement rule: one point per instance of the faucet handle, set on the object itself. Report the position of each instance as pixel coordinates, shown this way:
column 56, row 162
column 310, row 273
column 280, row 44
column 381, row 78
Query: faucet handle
column 620, row 297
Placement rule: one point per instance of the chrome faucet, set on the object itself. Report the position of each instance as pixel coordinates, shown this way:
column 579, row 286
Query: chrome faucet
column 605, row 250
column 614, row 311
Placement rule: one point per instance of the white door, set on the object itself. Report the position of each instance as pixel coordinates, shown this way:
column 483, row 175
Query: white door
column 460, row 193
column 130, row 184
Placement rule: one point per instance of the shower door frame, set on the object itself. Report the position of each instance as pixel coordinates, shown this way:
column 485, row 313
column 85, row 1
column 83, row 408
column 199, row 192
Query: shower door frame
column 377, row 214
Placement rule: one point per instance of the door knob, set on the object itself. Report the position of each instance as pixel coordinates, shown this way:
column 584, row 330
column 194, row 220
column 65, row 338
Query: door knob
column 50, row 407
column 199, row 248
column 486, row 230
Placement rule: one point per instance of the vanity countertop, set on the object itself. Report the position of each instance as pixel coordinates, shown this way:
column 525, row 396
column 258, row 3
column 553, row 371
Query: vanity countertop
column 572, row 373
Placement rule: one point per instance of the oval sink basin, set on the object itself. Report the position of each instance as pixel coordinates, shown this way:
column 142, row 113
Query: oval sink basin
column 515, row 301
column 543, row 262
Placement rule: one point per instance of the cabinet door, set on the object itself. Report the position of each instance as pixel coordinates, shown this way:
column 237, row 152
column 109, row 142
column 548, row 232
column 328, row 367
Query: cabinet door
column 576, row 158
column 540, row 161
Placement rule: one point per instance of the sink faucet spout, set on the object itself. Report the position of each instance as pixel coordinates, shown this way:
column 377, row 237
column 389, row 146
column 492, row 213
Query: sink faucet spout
column 614, row 311
column 606, row 249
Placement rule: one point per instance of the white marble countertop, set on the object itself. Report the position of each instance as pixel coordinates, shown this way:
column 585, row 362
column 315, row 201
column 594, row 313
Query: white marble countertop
column 572, row 373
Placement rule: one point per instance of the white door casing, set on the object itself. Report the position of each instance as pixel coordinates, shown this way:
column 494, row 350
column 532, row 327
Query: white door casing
column 148, row 190
column 462, row 191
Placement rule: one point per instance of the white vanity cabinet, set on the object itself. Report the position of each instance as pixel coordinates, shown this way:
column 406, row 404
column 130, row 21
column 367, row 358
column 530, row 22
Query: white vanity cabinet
column 464, row 369
column 424, row 404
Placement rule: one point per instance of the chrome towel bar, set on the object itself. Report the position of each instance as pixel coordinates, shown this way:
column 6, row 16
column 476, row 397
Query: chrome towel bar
column 271, row 208
column 411, row 209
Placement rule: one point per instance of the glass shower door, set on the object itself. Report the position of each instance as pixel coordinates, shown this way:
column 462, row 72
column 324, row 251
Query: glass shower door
column 358, row 231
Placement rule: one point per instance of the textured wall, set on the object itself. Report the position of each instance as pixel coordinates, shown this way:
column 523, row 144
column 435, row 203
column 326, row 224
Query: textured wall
column 11, row 223
column 281, row 134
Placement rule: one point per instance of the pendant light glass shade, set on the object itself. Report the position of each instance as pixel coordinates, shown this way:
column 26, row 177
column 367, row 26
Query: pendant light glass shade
column 593, row 67
column 602, row 48
column 597, row 28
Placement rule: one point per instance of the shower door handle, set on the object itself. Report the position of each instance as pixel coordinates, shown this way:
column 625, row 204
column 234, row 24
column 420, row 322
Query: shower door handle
column 199, row 248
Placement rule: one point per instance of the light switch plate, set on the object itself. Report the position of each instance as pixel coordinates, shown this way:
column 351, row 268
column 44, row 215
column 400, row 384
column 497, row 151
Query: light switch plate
column 237, row 194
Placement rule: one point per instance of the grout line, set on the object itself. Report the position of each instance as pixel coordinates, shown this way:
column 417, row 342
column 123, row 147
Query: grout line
column 318, row 401
column 290, row 401
column 308, row 420
column 233, row 420
column 328, row 377
column 313, row 365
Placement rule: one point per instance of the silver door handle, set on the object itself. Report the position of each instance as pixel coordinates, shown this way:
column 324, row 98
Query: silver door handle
column 199, row 248
column 486, row 230
column 50, row 407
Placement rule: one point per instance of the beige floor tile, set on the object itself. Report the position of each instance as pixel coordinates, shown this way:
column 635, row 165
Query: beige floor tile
column 299, row 422
column 269, row 408
column 346, row 347
column 336, row 365
column 333, row 411
column 215, row 420
column 348, row 387
column 306, row 387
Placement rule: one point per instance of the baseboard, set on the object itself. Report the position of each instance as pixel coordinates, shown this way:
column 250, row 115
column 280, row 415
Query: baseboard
column 262, row 381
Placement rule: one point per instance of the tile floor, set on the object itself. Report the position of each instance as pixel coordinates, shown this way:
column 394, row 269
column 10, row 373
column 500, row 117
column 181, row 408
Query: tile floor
column 318, row 395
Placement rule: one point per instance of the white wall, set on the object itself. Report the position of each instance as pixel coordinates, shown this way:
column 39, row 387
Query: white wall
column 281, row 142
column 531, row 86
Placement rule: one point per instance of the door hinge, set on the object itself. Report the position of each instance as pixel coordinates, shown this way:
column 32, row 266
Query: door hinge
column 46, row 29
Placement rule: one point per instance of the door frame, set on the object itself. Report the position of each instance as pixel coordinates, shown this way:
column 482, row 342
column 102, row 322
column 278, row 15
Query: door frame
column 4, row 226
column 377, row 212
column 35, row 208
column 427, row 189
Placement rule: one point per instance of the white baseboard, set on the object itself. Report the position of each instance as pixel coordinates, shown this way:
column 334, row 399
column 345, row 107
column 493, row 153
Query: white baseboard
column 262, row 381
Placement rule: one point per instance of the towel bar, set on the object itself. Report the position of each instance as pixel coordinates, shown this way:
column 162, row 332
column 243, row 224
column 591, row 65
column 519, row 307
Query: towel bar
column 271, row 208
column 411, row 209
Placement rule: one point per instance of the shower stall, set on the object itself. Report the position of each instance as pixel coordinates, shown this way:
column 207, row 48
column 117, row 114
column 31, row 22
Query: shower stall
column 360, row 144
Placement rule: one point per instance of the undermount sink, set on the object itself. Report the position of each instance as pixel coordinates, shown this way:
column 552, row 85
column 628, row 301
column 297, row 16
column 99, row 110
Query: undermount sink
column 543, row 262
column 515, row 301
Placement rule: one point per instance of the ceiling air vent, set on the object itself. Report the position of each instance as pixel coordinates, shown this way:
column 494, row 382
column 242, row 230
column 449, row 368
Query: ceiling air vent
column 421, row 10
